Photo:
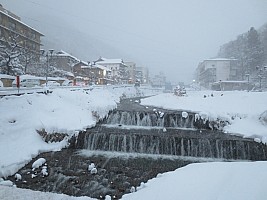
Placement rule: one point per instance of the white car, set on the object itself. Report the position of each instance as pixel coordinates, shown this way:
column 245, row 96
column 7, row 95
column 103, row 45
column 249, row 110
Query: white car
column 27, row 83
column 51, row 83
column 67, row 83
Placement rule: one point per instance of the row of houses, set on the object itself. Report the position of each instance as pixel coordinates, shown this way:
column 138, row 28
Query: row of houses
column 100, row 71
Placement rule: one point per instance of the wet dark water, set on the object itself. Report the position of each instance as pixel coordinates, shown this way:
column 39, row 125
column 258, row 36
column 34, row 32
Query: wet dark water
column 68, row 173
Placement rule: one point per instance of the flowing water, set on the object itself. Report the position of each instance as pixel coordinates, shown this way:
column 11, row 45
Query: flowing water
column 132, row 145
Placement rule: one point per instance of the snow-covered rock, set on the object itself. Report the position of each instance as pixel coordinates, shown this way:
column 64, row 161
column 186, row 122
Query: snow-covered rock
column 184, row 114
column 132, row 189
column 38, row 163
column 91, row 166
column 33, row 175
column 18, row 177
column 44, row 171
column 93, row 171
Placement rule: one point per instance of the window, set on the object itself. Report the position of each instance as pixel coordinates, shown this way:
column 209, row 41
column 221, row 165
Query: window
column 12, row 25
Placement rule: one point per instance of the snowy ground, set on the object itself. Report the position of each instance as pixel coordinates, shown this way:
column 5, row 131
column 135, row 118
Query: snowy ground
column 241, row 109
column 67, row 111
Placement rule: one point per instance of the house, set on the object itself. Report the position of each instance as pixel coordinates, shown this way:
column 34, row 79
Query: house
column 81, row 69
column 63, row 61
column 100, row 75
column 119, row 71
column 12, row 28
column 215, row 70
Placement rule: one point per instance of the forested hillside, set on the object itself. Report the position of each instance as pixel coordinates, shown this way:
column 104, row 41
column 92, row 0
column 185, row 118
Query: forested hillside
column 251, row 51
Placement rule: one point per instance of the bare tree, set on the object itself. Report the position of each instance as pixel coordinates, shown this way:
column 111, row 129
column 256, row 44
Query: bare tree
column 10, row 51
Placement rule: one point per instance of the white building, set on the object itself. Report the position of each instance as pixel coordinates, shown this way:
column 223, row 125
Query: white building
column 117, row 67
column 214, row 70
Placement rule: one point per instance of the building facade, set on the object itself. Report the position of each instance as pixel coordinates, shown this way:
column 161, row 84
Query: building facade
column 215, row 70
column 13, row 30
column 63, row 61
column 119, row 70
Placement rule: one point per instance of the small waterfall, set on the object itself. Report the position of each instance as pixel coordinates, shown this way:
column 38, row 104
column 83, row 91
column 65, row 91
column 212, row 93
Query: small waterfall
column 189, row 144
column 182, row 135
column 151, row 119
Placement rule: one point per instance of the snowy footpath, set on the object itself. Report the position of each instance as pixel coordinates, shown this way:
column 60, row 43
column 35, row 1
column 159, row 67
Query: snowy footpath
column 65, row 111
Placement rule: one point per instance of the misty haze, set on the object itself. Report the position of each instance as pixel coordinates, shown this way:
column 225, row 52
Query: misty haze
column 133, row 99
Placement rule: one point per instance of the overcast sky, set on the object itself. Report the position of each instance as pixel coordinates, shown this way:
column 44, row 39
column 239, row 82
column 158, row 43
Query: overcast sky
column 171, row 36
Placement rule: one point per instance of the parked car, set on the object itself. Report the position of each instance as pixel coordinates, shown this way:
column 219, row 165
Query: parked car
column 67, row 83
column 27, row 83
column 51, row 83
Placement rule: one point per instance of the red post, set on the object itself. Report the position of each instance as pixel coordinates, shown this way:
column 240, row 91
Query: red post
column 18, row 81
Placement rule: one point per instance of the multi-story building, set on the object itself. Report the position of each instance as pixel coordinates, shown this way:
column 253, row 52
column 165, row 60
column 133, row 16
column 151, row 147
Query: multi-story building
column 63, row 61
column 215, row 70
column 131, row 71
column 142, row 74
column 13, row 30
column 119, row 71
column 159, row 80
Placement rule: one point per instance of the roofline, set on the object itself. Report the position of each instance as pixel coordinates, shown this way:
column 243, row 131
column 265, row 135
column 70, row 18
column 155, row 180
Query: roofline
column 22, row 23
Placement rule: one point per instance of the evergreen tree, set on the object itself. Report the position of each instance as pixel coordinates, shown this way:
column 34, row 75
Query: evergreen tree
column 254, row 51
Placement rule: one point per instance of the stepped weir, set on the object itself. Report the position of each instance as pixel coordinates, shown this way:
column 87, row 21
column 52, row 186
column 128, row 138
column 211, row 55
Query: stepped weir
column 153, row 133
column 139, row 129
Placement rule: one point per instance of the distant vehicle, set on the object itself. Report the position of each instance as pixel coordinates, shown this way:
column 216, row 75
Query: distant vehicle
column 51, row 83
column 67, row 83
column 27, row 83
column 137, row 84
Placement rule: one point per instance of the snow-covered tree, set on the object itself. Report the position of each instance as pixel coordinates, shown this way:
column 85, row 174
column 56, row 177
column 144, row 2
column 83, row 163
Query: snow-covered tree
column 10, row 51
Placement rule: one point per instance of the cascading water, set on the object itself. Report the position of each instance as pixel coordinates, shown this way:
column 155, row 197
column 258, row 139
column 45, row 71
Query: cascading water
column 188, row 143
column 151, row 119
column 150, row 131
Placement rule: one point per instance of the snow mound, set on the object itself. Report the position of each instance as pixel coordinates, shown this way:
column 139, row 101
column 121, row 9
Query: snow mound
column 38, row 163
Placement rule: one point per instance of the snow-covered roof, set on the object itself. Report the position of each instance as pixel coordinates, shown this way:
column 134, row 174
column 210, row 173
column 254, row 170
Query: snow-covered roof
column 220, row 59
column 110, row 61
column 101, row 67
column 65, row 54
column 26, row 76
column 21, row 22
column 230, row 82
column 6, row 76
